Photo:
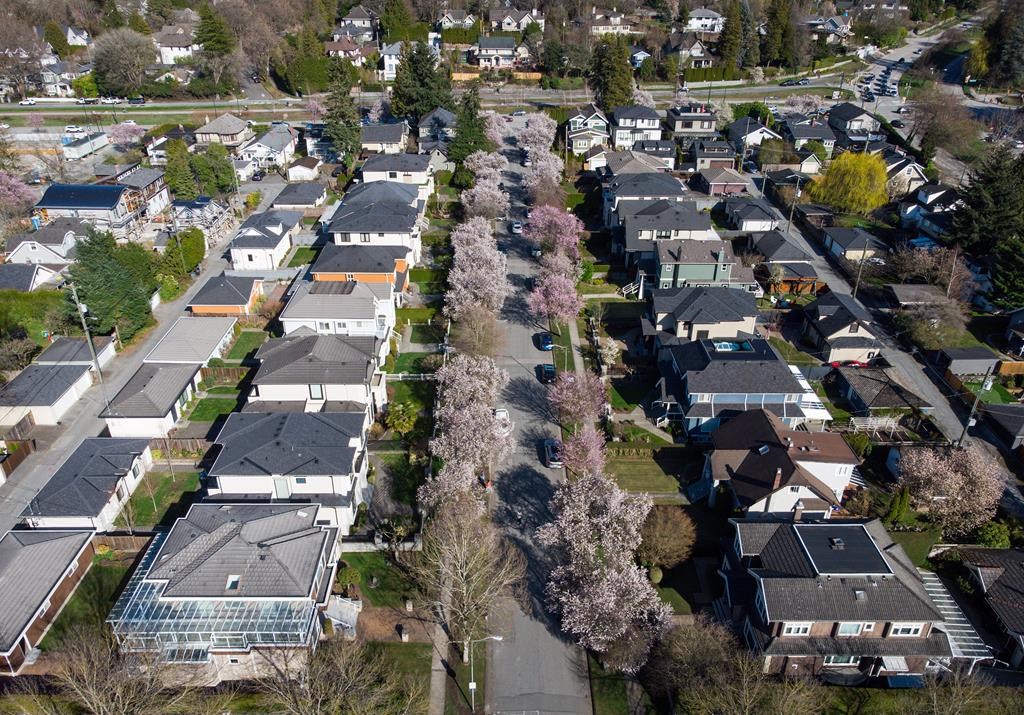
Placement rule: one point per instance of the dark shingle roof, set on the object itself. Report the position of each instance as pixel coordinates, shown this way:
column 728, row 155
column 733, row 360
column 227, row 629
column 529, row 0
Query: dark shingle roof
column 397, row 162
column 224, row 290
column 634, row 112
column 374, row 191
column 705, row 305
column 501, row 42
column 754, row 369
column 304, row 193
column 358, row 258
column 81, row 196
column 383, row 133
column 40, row 385
column 833, row 312
column 653, row 184
column 748, row 208
column 380, row 217
column 845, row 111
column 64, row 350
column 1003, row 573
column 52, row 234
column 17, row 276
column 265, row 229
column 439, row 117
column 311, row 359
column 776, row 248
column 83, row 484
column 877, row 389
column 152, row 391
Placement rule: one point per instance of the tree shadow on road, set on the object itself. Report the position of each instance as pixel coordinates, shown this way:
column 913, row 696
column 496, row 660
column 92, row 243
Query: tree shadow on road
column 523, row 393
column 515, row 310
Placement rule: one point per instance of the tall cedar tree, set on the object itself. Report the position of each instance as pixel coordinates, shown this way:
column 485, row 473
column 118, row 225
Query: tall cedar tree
column 341, row 120
column 750, row 56
column 993, row 204
column 213, row 170
column 1006, row 38
column 57, row 39
column 731, row 41
column 1008, row 273
column 470, row 137
column 112, row 17
column 213, row 33
column 395, row 18
column 420, row 85
column 611, row 75
column 178, row 172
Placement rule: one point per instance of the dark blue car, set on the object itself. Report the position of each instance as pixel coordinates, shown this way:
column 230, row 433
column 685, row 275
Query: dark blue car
column 546, row 373
column 545, row 341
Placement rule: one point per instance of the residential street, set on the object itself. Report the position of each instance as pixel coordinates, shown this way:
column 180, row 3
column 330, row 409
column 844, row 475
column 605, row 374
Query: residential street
column 533, row 669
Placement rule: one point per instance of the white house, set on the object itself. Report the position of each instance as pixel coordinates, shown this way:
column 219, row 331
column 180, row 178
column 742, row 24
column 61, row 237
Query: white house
column 378, row 213
column 52, row 244
column 91, row 486
column 341, row 308
column 495, row 52
column 751, row 215
column 384, row 138
column 704, row 20
column 306, row 168
column 153, row 400
column 46, row 392
column 634, row 124
column 604, row 22
column 512, row 20
column 193, row 340
column 264, row 239
column 749, row 132
column 150, row 188
column 27, row 277
column 438, row 123
column 390, row 57
column 175, row 43
column 587, row 128
column 295, row 456
column 273, row 148
column 456, row 19
column 108, row 207
column 402, row 168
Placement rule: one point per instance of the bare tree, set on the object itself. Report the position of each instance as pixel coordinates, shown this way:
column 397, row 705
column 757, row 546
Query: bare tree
column 477, row 332
column 956, row 692
column 466, row 565
column 668, row 537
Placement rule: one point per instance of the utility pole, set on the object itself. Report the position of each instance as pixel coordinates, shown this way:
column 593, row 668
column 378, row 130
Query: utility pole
column 88, row 339
column 860, row 271
column 792, row 205
column 974, row 408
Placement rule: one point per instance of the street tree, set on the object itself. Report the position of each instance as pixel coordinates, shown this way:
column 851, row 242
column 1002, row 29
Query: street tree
column 538, row 135
column 478, row 332
column 470, row 137
column 643, row 98
column 9, row 161
column 553, row 229
column 668, row 537
column 485, row 199
column 486, row 165
column 120, row 59
column 852, row 183
column 578, row 397
column 958, row 488
column 316, row 109
column 478, row 276
column 494, row 128
column 939, row 123
column 450, row 483
column 555, row 298
column 16, row 197
column 544, row 179
column 583, row 452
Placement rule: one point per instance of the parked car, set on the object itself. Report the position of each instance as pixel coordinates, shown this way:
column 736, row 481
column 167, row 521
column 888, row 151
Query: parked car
column 519, row 113
column 897, row 124
column 258, row 176
column 129, row 122
column 110, row 100
column 545, row 341
column 73, row 129
column 136, row 100
column 553, row 454
column 546, row 373
column 516, row 227
column 804, row 82
column 27, row 102
column 4, row 125
column 503, row 422
column 788, row 83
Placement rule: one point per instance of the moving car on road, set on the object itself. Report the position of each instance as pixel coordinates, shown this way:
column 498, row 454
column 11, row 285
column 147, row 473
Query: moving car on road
column 27, row 102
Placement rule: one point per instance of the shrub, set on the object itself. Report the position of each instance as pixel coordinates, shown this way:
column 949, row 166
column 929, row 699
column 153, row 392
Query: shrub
column 655, row 575
column 994, row 534
column 860, row 443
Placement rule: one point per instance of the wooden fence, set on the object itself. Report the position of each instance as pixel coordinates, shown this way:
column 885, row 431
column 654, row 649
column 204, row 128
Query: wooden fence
column 180, row 445
column 17, row 452
column 22, row 429
column 1010, row 367
column 123, row 542
column 226, row 374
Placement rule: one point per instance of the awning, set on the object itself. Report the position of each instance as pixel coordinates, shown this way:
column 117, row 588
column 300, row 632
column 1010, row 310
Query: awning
column 894, row 664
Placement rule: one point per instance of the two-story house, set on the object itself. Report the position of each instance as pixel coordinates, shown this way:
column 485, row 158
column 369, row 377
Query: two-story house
column 800, row 129
column 835, row 29
column 151, row 189
column 838, row 599
column 52, row 244
column 682, row 263
column 705, row 21
column 439, row 123
column 384, row 138
column 108, row 207
column 930, row 209
column 340, row 308
column 647, row 224
column 264, row 239
column 634, row 123
column 769, row 471
column 586, row 128
column 227, row 129
column 383, row 222
column 751, row 215
column 692, row 120
column 748, row 132
column 495, row 52
column 364, row 264
column 853, row 244
column 415, row 169
column 273, row 148
column 840, row 329
column 511, row 20
column 649, row 186
column 362, row 18
column 856, row 125
column 456, row 19
column 683, row 314
column 712, row 154
column 176, row 43
column 688, row 48
column 610, row 22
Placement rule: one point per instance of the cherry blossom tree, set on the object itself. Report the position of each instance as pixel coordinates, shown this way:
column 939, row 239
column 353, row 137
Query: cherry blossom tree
column 643, row 98
column 451, row 482
column 478, row 277
column 316, row 109
column 959, row 488
column 486, row 166
column 552, row 228
column 378, row 111
column 466, row 380
column 124, row 134
column 16, row 197
column 472, row 232
column 555, row 298
column 544, row 179
column 605, row 601
column 583, row 453
column 538, row 135
column 485, row 199
column 559, row 264
column 494, row 128
column 578, row 396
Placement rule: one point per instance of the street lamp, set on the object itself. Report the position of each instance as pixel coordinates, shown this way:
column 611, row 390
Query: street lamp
column 472, row 669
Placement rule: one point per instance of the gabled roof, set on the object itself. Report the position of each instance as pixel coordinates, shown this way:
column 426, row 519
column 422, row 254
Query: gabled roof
column 878, row 389
column 358, row 258
column 303, row 193
column 397, row 162
column 360, row 13
column 716, row 366
column 266, row 229
column 192, row 340
column 634, row 112
column 277, row 138
column 833, row 312
column 631, row 162
column 845, row 112
column 383, row 133
column 1002, row 574
column 502, row 42
column 40, row 385
column 662, row 214
column 81, row 196
column 654, row 184
column 83, row 484
column 745, row 126
column 18, row 276
column 331, row 300
column 152, row 391
column 142, row 177
column 776, row 248
column 438, row 117
column 376, row 217
column 306, row 358
column 689, row 251
column 372, row 192
column 225, row 124
column 69, row 350
column 52, row 234
column 744, row 209
column 587, row 112
column 293, row 443
column 704, row 305
column 224, row 290
column 722, row 175
column 855, row 238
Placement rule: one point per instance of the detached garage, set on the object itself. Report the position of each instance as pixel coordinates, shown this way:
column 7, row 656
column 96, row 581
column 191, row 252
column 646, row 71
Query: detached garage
column 45, row 391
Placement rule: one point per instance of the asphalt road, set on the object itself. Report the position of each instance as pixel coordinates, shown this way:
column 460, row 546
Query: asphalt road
column 533, row 669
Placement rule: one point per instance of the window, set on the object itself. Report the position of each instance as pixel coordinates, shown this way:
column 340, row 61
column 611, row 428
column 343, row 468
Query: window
column 364, row 237
column 906, row 629
column 392, row 174
column 135, row 470
column 796, row 629
column 232, row 584
column 794, row 489
column 849, row 629
column 249, row 257
column 842, row 659
column 300, row 480
column 255, row 391
column 855, row 328
column 44, row 608
column 233, row 660
column 120, row 492
column 324, row 326
column 868, row 627
column 316, row 392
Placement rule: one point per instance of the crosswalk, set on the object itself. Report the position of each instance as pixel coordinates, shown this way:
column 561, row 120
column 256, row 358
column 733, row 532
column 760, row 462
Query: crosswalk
column 963, row 639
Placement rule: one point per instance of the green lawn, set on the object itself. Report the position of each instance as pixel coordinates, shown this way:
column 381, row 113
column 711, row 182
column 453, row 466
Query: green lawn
column 659, row 471
column 303, row 255
column 393, row 587
column 418, row 392
column 209, row 409
column 459, row 699
column 790, row 353
column 409, row 362
column 607, row 690
column 28, row 311
column 246, row 344
column 839, row 414
column 91, row 602
column 996, row 395
column 411, row 660
column 675, row 599
column 917, row 544
column 426, row 333
column 561, row 356
column 167, row 491
column 625, row 394
column 223, row 390
column 404, row 316
column 405, row 478
column 428, row 280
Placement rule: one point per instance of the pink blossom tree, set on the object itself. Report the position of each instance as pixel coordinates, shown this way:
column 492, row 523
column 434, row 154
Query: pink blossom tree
column 560, row 264
column 448, row 485
column 554, row 229
column 494, row 128
column 643, row 98
column 555, row 298
column 125, row 134
column 485, row 199
column 959, row 488
column 597, row 589
column 478, row 277
column 16, row 197
column 378, row 111
column 472, row 232
column 545, row 176
column 316, row 109
column 583, row 453
column 486, row 166
column 469, row 379
column 538, row 135
column 578, row 397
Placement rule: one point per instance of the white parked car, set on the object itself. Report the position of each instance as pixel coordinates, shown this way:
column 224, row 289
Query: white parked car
column 110, row 100
column 27, row 102
column 129, row 122
column 517, row 227
column 503, row 421
column 73, row 129
column 4, row 125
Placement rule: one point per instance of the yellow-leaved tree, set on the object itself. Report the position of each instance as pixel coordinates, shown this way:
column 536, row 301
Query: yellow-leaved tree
column 853, row 183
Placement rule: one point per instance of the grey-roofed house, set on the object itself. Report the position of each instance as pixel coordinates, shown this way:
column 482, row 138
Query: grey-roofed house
column 682, row 314
column 720, row 181
column 785, row 267
column 749, row 132
column 801, row 130
column 1007, row 421
column 840, row 329
column 340, row 308
column 301, row 196
column 317, row 369
column 374, row 214
column 227, row 129
column 152, row 400
column 108, row 207
column 976, row 360
column 751, row 215
column 365, row 263
column 226, row 581
column 295, row 456
column 39, row 571
column 834, row 599
column 705, row 382
column 384, row 138
column 647, row 223
column 264, row 239
column 150, row 187
column 406, row 168
column 194, row 341
column 43, row 392
column 648, row 186
column 495, row 52
column 27, row 277
column 52, row 244
column 75, row 351
column 683, row 263
column 775, row 247
column 999, row 576
column 634, row 123
column 437, row 123
column 91, row 486
column 875, row 390
column 227, row 295
column 274, row 148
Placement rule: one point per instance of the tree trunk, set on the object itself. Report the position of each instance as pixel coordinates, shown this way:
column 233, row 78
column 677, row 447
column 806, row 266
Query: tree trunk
column 465, row 651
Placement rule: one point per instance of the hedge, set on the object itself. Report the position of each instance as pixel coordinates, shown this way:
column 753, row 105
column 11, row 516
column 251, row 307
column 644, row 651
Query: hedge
column 714, row 74
column 460, row 35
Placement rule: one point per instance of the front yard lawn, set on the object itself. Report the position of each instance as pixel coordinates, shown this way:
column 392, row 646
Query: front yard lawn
column 210, row 409
column 409, row 362
column 426, row 334
column 303, row 255
column 408, row 659
column 246, row 345
column 429, row 280
column 996, row 395
column 792, row 354
column 405, row 478
column 393, row 587
column 419, row 392
column 658, row 471
column 158, row 499
column 625, row 393
column 917, row 544
column 404, row 316
column 91, row 602
column 607, row 690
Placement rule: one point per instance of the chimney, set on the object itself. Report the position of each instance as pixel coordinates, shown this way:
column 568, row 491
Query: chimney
column 789, row 443
column 778, row 478
column 798, row 510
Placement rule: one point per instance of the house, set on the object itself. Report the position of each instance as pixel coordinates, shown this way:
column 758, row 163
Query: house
column 800, row 130
column 150, row 189
column 854, row 123
column 684, row 314
column 306, row 168
column 380, row 213
column 972, row 361
column 689, row 48
column 42, row 570
column 605, row 22
column 317, row 371
column 175, row 43
column 840, row 329
column 226, row 581
column 264, row 239
column 244, row 170
column 510, row 20
column 152, row 401
column 210, row 216
column 194, row 340
column 304, row 196
column 227, row 295
column 998, row 574
column 637, row 55
column 905, row 176
column 274, row 148
column 645, row 224
column 634, row 123
column 749, row 132
column 364, row 264
column 156, row 148
column 832, row 597
column 830, row 30
column 930, row 204
column 495, row 52
column 772, row 472
column 705, row 21
column 875, row 390
column 663, row 151
column 630, row 161
column 384, row 138
column 51, row 245
column 853, row 244
column 91, row 486
column 44, row 392
column 27, row 277
column 687, row 262
column 786, row 268
column 586, row 129
column 707, row 382
column 362, row 17
column 457, row 19
column 227, row 129
column 712, row 154
column 695, row 119
column 391, row 57
column 84, row 146
column 751, row 215
column 1007, row 421
column 912, row 295
column 401, row 168
column 340, row 308
column 76, row 36
column 720, row 182
column 649, row 186
column 75, row 351
column 108, row 207
column 438, row 123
